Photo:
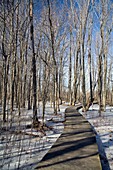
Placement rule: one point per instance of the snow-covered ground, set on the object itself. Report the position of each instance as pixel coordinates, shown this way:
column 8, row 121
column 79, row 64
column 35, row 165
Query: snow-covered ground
column 103, row 126
column 21, row 147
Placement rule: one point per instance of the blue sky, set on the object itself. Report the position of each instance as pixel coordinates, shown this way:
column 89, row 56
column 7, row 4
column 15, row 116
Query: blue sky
column 38, row 6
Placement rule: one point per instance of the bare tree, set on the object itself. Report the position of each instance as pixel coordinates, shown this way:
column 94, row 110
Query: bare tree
column 35, row 119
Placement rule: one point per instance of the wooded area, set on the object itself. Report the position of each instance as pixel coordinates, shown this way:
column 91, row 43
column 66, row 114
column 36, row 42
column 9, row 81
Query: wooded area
column 56, row 51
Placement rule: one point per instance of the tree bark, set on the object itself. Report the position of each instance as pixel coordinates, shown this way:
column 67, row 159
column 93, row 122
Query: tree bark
column 33, row 64
column 75, row 85
column 104, row 82
column 100, row 83
column 55, row 69
column 70, row 70
column 4, row 85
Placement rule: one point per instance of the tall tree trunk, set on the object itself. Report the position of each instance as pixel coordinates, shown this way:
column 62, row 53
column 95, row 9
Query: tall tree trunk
column 90, row 100
column 83, row 27
column 75, row 85
column 104, row 82
column 16, row 44
column 39, row 82
column 108, row 96
column 4, row 85
column 79, row 79
column 13, row 66
column 83, row 81
column 19, row 89
column 33, row 64
column 55, row 71
column 100, row 83
column 90, row 63
column 4, row 93
column 44, row 92
column 60, row 79
column 29, row 93
column 70, row 70
column 25, row 76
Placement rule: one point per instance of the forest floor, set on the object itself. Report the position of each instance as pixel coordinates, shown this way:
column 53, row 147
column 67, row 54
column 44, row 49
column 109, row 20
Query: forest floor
column 21, row 145
column 103, row 127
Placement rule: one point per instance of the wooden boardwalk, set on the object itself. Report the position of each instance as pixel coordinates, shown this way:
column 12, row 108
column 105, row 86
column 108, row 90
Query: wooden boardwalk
column 76, row 148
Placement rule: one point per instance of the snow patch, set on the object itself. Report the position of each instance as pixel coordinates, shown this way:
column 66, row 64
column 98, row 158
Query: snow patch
column 23, row 148
column 103, row 126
